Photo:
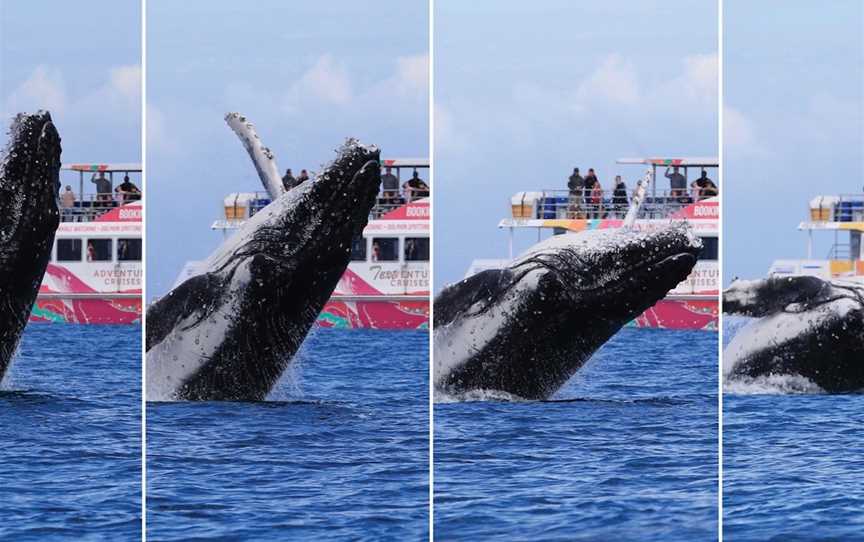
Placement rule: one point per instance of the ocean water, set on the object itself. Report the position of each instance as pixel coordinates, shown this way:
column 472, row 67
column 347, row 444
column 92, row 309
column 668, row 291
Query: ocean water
column 626, row 451
column 339, row 452
column 70, row 435
column 792, row 461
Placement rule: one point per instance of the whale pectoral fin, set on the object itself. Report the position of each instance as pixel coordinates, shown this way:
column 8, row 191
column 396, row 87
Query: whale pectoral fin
column 458, row 298
column 760, row 298
column 192, row 296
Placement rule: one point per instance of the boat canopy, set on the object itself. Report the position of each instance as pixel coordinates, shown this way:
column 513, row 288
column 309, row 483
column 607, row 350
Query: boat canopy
column 84, row 167
column 699, row 161
column 405, row 162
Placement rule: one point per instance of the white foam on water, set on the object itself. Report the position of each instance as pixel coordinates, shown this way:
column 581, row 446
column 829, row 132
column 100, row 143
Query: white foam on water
column 469, row 396
column 772, row 384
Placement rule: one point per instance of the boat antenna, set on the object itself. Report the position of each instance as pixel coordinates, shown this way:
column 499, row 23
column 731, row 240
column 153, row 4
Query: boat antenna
column 262, row 157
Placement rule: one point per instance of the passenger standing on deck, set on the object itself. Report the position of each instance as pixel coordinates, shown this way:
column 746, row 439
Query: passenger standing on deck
column 67, row 202
column 104, row 188
column 288, row 180
column 619, row 197
column 128, row 191
column 677, row 182
column 597, row 199
column 303, row 177
column 390, row 187
column 704, row 187
column 415, row 188
column 576, row 185
column 590, row 181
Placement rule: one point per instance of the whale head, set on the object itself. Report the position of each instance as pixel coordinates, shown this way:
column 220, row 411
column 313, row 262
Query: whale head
column 527, row 329
column 230, row 333
column 29, row 185
column 804, row 327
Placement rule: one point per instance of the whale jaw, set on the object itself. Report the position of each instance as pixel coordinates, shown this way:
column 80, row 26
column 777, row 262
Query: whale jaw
column 29, row 185
column 527, row 329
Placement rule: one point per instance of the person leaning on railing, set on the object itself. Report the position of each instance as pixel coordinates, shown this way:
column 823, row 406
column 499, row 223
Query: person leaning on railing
column 704, row 187
column 415, row 188
column 128, row 191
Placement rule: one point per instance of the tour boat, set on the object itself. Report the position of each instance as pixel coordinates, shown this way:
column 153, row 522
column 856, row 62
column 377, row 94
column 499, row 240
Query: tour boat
column 95, row 272
column 843, row 217
column 693, row 304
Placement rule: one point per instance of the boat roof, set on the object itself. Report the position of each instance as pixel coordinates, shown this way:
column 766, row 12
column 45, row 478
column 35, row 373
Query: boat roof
column 405, row 162
column 87, row 166
column 692, row 161
column 831, row 226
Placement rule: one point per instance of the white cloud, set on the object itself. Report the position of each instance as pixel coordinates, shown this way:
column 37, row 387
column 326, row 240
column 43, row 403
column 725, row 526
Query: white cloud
column 701, row 76
column 159, row 138
column 326, row 82
column 739, row 133
column 448, row 136
column 412, row 74
column 614, row 82
column 126, row 81
column 44, row 89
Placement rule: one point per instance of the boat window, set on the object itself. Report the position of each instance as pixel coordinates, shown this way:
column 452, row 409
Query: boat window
column 710, row 248
column 416, row 249
column 358, row 249
column 385, row 249
column 99, row 250
column 68, row 250
column 129, row 250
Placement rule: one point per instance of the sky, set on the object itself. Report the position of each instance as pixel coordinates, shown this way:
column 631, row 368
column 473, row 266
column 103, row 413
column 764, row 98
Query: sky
column 51, row 58
column 793, row 124
column 523, row 95
column 307, row 74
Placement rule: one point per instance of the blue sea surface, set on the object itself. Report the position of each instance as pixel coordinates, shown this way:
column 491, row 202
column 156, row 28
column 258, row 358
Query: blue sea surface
column 626, row 451
column 793, row 463
column 339, row 452
column 70, row 435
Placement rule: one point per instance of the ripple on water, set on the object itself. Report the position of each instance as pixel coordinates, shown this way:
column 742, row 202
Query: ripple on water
column 626, row 450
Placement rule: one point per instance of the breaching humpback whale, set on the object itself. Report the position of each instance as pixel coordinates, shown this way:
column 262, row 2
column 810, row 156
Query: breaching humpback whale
column 229, row 333
column 527, row 328
column 29, row 184
column 806, row 327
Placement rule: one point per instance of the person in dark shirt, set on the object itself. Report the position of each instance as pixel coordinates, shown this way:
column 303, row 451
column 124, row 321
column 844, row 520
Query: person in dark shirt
column 288, row 180
column 590, row 182
column 128, row 191
column 677, row 182
column 704, row 187
column 415, row 188
column 303, row 177
column 575, row 183
column 619, row 197
column 576, row 186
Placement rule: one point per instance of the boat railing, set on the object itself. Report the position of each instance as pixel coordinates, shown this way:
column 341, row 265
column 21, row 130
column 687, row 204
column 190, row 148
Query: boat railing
column 839, row 208
column 840, row 251
column 566, row 204
column 385, row 203
column 89, row 207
